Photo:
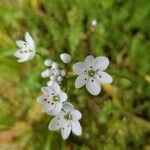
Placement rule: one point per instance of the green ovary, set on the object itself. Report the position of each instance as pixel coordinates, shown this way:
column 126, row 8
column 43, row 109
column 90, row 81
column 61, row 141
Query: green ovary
column 91, row 73
column 67, row 117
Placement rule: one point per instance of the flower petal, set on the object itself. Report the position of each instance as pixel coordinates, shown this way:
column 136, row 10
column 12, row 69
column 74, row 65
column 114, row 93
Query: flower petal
column 67, row 107
column 104, row 77
column 81, row 80
column 78, row 68
column 55, row 123
column 89, row 61
column 40, row 99
column 22, row 44
column 76, row 115
column 57, row 109
column 62, row 96
column 48, row 107
column 76, row 127
column 46, row 90
column 54, row 87
column 101, row 63
column 29, row 40
column 65, row 130
column 93, row 86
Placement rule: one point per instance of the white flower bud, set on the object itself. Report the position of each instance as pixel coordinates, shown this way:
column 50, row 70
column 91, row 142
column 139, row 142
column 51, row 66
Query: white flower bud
column 53, row 78
column 60, row 78
column 55, row 65
column 63, row 73
column 94, row 23
column 45, row 73
column 48, row 62
column 57, row 72
column 66, row 58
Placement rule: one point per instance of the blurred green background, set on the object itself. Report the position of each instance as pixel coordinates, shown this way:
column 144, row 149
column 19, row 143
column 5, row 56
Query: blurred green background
column 118, row 118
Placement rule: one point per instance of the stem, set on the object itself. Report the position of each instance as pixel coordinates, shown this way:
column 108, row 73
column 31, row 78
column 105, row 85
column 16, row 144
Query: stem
column 42, row 56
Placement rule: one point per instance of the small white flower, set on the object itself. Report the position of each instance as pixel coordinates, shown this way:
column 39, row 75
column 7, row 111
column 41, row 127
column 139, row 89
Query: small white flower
column 66, row 58
column 66, row 121
column 52, row 99
column 94, row 22
column 27, row 48
column 91, row 73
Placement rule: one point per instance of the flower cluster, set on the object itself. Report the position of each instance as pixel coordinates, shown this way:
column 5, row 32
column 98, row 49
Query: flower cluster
column 53, row 72
column 91, row 74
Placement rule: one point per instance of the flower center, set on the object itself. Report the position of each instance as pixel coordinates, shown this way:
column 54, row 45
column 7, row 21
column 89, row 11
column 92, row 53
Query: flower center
column 67, row 116
column 91, row 73
column 55, row 98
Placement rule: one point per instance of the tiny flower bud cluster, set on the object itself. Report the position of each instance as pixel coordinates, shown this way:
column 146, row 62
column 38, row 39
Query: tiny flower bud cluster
column 53, row 72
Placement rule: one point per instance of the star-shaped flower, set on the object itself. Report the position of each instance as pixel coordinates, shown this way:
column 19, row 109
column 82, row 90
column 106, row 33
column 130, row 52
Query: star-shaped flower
column 67, row 121
column 27, row 48
column 52, row 99
column 91, row 73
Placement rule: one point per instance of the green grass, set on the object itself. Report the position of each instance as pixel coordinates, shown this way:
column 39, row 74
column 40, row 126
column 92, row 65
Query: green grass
column 118, row 118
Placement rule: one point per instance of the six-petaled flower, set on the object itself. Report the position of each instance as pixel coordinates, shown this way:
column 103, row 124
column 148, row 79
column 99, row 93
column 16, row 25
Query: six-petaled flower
column 91, row 73
column 52, row 99
column 27, row 48
column 66, row 121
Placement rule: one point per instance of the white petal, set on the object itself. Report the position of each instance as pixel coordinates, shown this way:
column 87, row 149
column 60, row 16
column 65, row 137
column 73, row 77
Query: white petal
column 54, row 86
column 29, row 40
column 22, row 44
column 67, row 107
column 48, row 63
column 104, row 77
column 57, row 109
column 65, row 130
column 76, row 115
column 93, row 86
column 79, row 68
column 89, row 61
column 40, row 99
column 81, row 80
column 101, row 63
column 47, row 90
column 24, row 55
column 55, row 123
column 66, row 58
column 76, row 127
column 62, row 96
column 48, row 107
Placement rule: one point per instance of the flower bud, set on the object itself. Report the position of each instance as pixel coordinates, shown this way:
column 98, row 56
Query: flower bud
column 48, row 62
column 66, row 58
column 45, row 73
column 63, row 73
column 55, row 65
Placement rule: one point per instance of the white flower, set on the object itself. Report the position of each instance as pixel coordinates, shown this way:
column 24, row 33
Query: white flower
column 67, row 121
column 66, row 58
column 27, row 48
column 52, row 99
column 94, row 22
column 91, row 73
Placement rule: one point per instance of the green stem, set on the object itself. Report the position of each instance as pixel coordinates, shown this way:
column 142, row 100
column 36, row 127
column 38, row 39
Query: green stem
column 42, row 56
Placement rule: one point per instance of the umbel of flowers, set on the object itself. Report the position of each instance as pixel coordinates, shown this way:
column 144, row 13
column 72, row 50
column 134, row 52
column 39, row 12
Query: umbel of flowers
column 90, row 73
